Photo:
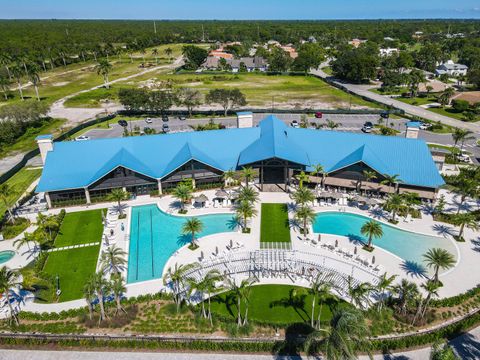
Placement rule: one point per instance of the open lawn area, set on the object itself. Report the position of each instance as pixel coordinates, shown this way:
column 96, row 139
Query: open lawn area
column 18, row 184
column 274, row 223
column 73, row 268
column 81, row 227
column 275, row 304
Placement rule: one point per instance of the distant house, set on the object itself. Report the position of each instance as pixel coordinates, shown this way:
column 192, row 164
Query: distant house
column 290, row 50
column 451, row 69
column 356, row 42
column 256, row 63
column 388, row 38
column 389, row 51
column 219, row 54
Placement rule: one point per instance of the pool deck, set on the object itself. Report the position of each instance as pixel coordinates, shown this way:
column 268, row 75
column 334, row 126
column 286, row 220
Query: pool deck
column 457, row 280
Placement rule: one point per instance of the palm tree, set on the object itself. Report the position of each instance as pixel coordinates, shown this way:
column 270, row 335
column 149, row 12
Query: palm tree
column 247, row 194
column 390, row 180
column 241, row 292
column 168, row 51
column 210, row 281
column 25, row 240
column 245, row 210
column 463, row 220
column 5, row 192
column 360, row 294
column 4, row 84
column 466, row 187
column 103, row 68
column 101, row 287
column 183, row 192
column 17, row 73
column 118, row 289
column 368, row 175
column 438, row 258
column 461, row 135
column 301, row 178
column 47, row 224
column 155, row 54
column 9, row 279
column 384, row 285
column 113, row 260
column 431, row 288
column 372, row 229
column 407, row 291
column 393, row 204
column 247, row 174
column 89, row 294
column 228, row 176
column 446, row 95
column 34, row 77
column 118, row 195
column 319, row 287
column 332, row 124
column 5, row 60
column 346, row 336
column 318, row 170
column 303, row 196
column 192, row 226
column 245, row 289
column 306, row 215
column 176, row 277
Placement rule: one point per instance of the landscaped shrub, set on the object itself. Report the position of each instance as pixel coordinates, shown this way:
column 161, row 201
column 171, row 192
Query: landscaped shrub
column 10, row 230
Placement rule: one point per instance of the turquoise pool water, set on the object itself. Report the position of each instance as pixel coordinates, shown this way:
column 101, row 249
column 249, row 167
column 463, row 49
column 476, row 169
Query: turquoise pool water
column 6, row 255
column 407, row 245
column 155, row 236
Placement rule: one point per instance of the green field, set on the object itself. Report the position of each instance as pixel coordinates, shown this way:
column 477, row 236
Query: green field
column 81, row 227
column 73, row 268
column 18, row 184
column 274, row 223
column 281, row 304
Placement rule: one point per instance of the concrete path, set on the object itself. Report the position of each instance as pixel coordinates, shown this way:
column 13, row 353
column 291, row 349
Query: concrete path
column 363, row 90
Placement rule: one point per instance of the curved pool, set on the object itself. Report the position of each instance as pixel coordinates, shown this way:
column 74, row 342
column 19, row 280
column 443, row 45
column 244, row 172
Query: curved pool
column 156, row 235
column 405, row 244
column 6, row 256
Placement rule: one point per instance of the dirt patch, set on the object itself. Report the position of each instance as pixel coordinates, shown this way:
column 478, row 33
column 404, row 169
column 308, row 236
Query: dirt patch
column 61, row 83
column 471, row 96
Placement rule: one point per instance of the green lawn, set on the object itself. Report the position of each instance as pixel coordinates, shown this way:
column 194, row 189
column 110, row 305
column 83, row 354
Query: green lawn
column 280, row 304
column 73, row 268
column 81, row 227
column 274, row 223
column 18, row 184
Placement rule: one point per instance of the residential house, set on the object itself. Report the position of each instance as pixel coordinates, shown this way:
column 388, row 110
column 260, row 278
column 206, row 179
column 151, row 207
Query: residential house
column 452, row 69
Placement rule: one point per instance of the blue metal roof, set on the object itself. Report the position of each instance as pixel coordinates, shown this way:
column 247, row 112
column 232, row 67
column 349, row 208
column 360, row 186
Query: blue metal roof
column 77, row 164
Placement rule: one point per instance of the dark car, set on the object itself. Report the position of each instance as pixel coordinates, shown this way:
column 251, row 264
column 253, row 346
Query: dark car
column 318, row 115
column 385, row 114
column 164, row 117
column 165, row 128
column 367, row 127
column 182, row 117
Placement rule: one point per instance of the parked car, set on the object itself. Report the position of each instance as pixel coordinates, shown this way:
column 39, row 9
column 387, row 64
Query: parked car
column 182, row 117
column 464, row 156
column 165, row 128
column 367, row 127
column 164, row 117
column 425, row 126
column 385, row 115
column 148, row 120
column 294, row 124
column 318, row 115
column 82, row 138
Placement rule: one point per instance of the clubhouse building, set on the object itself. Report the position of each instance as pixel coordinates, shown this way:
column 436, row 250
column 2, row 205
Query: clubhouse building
column 79, row 172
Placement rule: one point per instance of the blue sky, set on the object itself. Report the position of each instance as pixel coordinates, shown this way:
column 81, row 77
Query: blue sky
column 239, row 9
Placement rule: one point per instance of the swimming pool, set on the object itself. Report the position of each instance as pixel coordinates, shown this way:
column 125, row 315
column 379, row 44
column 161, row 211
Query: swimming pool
column 6, row 256
column 407, row 245
column 156, row 235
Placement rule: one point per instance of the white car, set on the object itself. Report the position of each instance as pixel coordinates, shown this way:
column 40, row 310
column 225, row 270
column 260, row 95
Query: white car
column 464, row 156
column 148, row 120
column 425, row 126
column 294, row 124
column 82, row 138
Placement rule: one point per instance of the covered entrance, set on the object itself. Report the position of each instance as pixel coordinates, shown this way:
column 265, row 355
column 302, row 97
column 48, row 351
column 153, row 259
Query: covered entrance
column 275, row 174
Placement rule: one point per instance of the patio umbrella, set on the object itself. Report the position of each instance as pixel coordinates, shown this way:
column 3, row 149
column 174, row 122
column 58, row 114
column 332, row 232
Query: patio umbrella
column 355, row 250
column 373, row 259
column 319, row 237
column 216, row 250
column 231, row 243
column 222, row 194
column 336, row 242
column 201, row 198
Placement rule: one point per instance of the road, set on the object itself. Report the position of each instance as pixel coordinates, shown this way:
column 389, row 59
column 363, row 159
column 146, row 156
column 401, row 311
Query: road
column 363, row 90
column 466, row 346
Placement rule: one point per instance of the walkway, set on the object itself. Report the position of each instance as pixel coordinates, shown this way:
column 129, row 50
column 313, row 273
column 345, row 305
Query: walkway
column 73, row 247
column 363, row 90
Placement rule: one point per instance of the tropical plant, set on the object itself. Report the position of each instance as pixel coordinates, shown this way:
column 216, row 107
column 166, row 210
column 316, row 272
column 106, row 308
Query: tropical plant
column 210, row 286
column 372, row 229
column 101, row 287
column 155, row 54
column 332, row 124
column 228, row 177
column 103, row 68
column 113, row 260
column 89, row 295
column 465, row 220
column 360, row 293
column 407, row 292
column 25, row 240
column 306, row 216
column 247, row 194
column 118, row 289
column 318, row 170
column 302, row 177
column 17, row 73
column 47, row 225
column 442, row 351
column 5, row 83
column 438, row 258
column 245, row 210
column 319, row 288
column 390, row 180
column 192, row 226
column 176, row 277
column 303, row 196
column 118, row 195
column 247, row 174
column 241, row 292
column 431, row 288
column 5, row 192
column 384, row 285
column 9, row 280
column 368, row 175
column 344, row 339
column 466, row 187
column 394, row 204
column 445, row 97
column 34, row 77
column 168, row 52
column 183, row 192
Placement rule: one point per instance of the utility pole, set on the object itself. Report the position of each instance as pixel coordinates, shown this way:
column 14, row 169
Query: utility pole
column 154, row 27
column 203, row 34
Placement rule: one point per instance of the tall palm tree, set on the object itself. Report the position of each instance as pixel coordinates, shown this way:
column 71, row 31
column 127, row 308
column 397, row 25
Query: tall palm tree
column 318, row 170
column 245, row 210
column 5, row 192
column 302, row 177
column 319, row 286
column 407, row 291
column 195, row 286
column 303, row 196
column 89, row 295
column 247, row 194
column 345, row 338
column 155, row 54
column 306, row 216
column 461, row 135
column 360, row 294
column 372, row 229
column 103, row 68
column 5, row 83
column 466, row 187
column 168, row 51
column 391, row 180
column 177, row 278
column 34, row 77
column 192, row 226
column 384, row 285
column 463, row 220
column 393, row 204
column 210, row 281
column 228, row 176
column 445, row 97
column 113, row 260
column 17, row 73
column 431, row 288
column 183, row 192
column 6, row 60
column 438, row 258
column 25, row 240
column 368, row 175
column 101, row 286
column 47, row 225
column 118, row 195
column 118, row 288
column 245, row 288
column 9, row 279
column 247, row 173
